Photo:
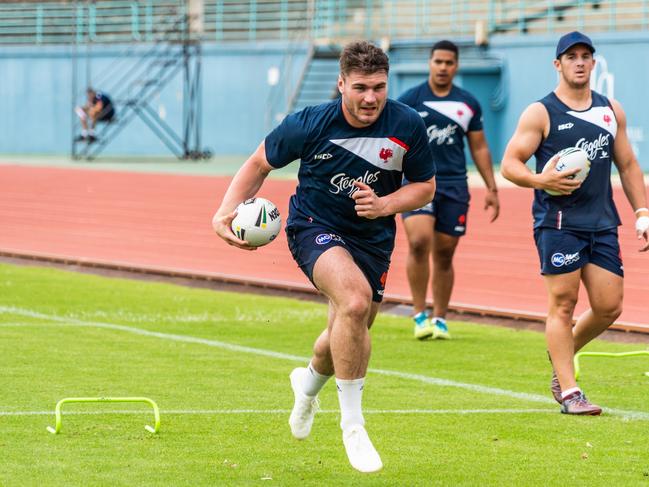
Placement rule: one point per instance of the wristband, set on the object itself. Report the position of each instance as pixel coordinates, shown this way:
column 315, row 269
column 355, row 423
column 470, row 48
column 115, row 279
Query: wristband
column 640, row 209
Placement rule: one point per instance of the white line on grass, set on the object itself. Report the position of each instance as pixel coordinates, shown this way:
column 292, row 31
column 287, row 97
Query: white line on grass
column 218, row 412
column 494, row 391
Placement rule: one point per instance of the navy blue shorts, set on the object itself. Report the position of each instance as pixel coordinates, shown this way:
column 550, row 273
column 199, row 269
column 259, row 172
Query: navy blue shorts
column 563, row 251
column 106, row 117
column 310, row 242
column 449, row 207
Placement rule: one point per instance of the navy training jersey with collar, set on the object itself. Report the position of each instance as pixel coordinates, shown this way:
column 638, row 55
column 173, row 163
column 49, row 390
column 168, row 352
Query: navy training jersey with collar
column 447, row 119
column 333, row 154
column 591, row 207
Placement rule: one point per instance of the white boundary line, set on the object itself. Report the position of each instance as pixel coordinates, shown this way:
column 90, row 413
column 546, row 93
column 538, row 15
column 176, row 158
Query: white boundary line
column 494, row 391
column 219, row 412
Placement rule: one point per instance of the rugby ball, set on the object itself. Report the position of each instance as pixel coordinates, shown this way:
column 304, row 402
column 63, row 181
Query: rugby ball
column 257, row 222
column 570, row 158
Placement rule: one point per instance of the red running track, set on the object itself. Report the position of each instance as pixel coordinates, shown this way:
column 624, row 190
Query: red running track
column 162, row 221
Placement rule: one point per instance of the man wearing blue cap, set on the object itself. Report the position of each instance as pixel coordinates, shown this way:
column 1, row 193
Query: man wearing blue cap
column 576, row 230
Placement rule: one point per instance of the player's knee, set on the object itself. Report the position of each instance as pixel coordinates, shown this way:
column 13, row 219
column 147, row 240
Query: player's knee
column 563, row 305
column 443, row 259
column 608, row 311
column 419, row 247
column 356, row 306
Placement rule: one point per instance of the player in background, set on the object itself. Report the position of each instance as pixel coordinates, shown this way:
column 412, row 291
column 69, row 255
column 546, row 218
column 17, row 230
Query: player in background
column 576, row 232
column 98, row 108
column 353, row 154
column 451, row 114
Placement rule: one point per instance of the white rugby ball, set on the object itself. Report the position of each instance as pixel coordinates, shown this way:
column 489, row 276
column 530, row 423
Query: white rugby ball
column 570, row 158
column 257, row 222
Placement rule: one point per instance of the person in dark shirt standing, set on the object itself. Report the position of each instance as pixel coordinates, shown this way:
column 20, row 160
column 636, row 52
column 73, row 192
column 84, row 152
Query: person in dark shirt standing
column 575, row 230
column 451, row 114
column 353, row 154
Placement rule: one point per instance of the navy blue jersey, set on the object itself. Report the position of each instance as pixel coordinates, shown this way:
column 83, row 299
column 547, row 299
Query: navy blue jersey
column 589, row 208
column 104, row 98
column 447, row 121
column 333, row 154
column 107, row 111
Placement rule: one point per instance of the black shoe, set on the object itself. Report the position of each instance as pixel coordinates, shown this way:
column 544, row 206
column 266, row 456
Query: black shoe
column 80, row 138
column 91, row 139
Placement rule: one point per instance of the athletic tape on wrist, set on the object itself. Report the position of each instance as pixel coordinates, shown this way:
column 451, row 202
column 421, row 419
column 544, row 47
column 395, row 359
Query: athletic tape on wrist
column 642, row 224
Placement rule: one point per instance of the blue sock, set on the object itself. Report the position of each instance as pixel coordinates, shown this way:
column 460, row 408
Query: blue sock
column 420, row 318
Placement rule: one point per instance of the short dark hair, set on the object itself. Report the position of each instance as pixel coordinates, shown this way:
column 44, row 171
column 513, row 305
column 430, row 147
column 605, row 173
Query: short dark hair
column 446, row 46
column 364, row 57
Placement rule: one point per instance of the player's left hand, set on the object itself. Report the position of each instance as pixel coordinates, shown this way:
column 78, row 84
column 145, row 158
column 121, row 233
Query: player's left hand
column 368, row 205
column 491, row 201
column 642, row 231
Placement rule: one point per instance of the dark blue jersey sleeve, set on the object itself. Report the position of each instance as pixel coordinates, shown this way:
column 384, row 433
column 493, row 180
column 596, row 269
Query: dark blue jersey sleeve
column 285, row 143
column 476, row 121
column 419, row 164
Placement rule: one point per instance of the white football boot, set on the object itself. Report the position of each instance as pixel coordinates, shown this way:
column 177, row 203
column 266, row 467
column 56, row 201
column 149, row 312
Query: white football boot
column 360, row 451
column 304, row 409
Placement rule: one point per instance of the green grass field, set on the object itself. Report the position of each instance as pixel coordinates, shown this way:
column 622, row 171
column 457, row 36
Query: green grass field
column 471, row 411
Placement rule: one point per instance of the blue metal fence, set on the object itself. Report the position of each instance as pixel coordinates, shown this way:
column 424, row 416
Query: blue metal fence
column 263, row 20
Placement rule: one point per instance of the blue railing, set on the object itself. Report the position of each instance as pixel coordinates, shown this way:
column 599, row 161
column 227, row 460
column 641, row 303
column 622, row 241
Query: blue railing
column 105, row 21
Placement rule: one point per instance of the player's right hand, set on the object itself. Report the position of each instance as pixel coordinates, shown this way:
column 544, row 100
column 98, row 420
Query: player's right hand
column 222, row 225
column 558, row 181
column 642, row 231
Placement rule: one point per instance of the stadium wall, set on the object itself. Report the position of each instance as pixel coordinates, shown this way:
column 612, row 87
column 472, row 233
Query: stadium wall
column 36, row 95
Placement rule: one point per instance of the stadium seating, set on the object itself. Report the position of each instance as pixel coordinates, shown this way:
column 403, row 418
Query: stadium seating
column 103, row 21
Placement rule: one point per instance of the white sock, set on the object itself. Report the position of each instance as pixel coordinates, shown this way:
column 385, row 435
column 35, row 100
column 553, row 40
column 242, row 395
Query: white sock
column 438, row 318
column 91, row 132
column 350, row 396
column 84, row 133
column 313, row 381
column 570, row 391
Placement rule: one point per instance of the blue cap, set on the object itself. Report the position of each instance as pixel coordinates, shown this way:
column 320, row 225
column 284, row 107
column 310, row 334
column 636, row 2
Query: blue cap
column 572, row 39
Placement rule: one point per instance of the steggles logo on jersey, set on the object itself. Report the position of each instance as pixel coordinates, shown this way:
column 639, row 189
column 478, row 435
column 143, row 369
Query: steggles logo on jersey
column 441, row 135
column 385, row 154
column 341, row 182
column 593, row 147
